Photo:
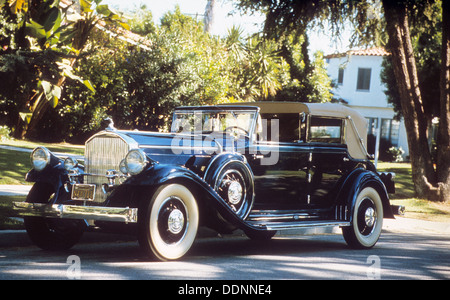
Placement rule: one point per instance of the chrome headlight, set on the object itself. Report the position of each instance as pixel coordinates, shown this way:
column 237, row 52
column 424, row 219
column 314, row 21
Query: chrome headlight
column 70, row 163
column 135, row 161
column 40, row 158
column 123, row 167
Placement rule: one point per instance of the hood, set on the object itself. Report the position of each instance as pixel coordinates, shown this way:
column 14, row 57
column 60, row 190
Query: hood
column 172, row 148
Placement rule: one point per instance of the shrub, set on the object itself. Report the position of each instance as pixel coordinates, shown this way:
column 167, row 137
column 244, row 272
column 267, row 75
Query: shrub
column 395, row 154
column 4, row 133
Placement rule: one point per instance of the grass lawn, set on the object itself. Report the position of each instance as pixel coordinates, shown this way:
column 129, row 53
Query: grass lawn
column 7, row 223
column 404, row 195
column 13, row 166
column 56, row 147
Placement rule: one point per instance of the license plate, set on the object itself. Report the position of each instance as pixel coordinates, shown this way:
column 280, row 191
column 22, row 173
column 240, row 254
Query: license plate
column 85, row 192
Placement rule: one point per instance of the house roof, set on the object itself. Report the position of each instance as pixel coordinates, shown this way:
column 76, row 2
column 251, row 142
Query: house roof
column 375, row 51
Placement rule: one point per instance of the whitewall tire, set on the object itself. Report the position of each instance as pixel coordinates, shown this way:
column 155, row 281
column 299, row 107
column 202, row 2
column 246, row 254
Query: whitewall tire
column 169, row 226
column 367, row 220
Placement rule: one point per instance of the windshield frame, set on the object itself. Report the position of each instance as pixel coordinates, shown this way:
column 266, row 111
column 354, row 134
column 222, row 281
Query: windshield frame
column 216, row 110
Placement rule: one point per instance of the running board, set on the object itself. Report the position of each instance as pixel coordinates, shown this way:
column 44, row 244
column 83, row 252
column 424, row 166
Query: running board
column 297, row 225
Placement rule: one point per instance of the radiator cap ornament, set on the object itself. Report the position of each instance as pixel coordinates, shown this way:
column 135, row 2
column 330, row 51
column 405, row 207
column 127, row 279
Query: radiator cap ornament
column 108, row 122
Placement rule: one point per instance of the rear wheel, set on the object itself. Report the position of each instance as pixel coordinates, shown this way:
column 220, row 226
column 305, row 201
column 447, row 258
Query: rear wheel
column 367, row 221
column 50, row 233
column 169, row 226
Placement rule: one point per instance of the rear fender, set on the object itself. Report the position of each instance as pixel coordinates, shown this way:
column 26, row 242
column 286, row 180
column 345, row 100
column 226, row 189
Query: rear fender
column 357, row 181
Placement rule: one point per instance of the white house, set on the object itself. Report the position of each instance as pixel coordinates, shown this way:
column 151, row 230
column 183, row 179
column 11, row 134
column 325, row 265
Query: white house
column 358, row 85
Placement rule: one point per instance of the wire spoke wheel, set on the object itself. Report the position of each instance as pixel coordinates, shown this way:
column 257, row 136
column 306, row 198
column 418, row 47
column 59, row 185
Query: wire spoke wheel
column 234, row 184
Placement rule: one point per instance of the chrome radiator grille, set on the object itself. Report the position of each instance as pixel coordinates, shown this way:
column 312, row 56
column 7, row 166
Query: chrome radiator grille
column 102, row 153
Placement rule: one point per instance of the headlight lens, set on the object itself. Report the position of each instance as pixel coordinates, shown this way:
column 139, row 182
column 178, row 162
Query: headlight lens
column 70, row 163
column 123, row 167
column 135, row 161
column 40, row 158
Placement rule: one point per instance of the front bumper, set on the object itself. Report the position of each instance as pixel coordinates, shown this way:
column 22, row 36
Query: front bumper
column 98, row 213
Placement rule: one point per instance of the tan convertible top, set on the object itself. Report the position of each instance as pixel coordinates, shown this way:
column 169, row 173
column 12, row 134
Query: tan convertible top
column 355, row 125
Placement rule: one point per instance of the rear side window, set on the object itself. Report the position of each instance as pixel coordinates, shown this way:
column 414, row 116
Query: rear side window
column 326, row 130
column 289, row 127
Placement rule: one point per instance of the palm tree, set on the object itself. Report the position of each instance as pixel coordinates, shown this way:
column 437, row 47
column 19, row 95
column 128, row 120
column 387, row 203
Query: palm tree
column 209, row 15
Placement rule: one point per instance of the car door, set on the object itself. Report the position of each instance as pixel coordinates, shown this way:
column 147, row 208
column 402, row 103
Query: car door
column 330, row 161
column 279, row 160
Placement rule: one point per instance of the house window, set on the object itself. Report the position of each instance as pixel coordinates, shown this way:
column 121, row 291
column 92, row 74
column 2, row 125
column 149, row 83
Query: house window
column 372, row 129
column 390, row 130
column 341, row 76
column 363, row 83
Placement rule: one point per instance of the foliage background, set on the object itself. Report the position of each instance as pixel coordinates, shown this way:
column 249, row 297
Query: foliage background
column 181, row 64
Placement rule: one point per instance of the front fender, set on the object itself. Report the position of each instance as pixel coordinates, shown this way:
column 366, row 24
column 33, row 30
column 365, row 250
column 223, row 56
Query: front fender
column 160, row 174
column 358, row 180
column 54, row 174
column 219, row 161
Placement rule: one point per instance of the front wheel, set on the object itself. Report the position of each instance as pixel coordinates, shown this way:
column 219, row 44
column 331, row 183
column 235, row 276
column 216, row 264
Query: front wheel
column 50, row 233
column 169, row 226
column 367, row 221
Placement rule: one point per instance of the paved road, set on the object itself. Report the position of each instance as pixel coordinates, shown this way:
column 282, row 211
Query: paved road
column 398, row 255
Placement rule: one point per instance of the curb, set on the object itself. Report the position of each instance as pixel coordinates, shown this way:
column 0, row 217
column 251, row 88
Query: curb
column 14, row 190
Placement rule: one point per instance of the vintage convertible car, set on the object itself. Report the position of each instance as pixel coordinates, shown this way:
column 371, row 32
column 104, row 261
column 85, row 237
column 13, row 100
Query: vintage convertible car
column 259, row 167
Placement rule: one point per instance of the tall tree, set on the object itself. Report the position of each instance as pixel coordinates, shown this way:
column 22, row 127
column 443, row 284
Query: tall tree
column 428, row 182
column 443, row 155
column 209, row 15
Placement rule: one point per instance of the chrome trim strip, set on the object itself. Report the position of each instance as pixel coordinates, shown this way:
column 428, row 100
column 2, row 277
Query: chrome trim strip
column 279, row 216
column 190, row 148
column 313, row 224
column 113, row 214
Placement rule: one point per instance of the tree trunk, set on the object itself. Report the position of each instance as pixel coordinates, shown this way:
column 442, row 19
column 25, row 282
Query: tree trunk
column 443, row 154
column 423, row 174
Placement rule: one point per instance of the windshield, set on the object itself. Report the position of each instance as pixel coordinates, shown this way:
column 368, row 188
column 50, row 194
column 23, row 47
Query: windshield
column 213, row 121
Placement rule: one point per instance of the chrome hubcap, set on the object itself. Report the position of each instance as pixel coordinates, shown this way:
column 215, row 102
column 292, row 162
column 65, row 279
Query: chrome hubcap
column 367, row 217
column 234, row 192
column 370, row 217
column 175, row 221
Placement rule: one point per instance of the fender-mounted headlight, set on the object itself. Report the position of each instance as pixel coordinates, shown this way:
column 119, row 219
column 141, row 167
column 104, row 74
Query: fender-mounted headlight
column 40, row 158
column 135, row 161
column 70, row 163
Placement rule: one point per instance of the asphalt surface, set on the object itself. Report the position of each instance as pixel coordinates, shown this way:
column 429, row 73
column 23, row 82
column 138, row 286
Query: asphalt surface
column 407, row 249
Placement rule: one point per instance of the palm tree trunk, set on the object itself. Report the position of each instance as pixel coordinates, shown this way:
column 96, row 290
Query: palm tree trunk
column 423, row 174
column 443, row 154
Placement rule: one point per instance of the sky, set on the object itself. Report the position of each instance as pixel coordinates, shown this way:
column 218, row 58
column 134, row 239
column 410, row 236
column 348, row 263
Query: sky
column 225, row 17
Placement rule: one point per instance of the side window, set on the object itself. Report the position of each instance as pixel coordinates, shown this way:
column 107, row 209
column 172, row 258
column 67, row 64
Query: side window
column 288, row 131
column 326, row 130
